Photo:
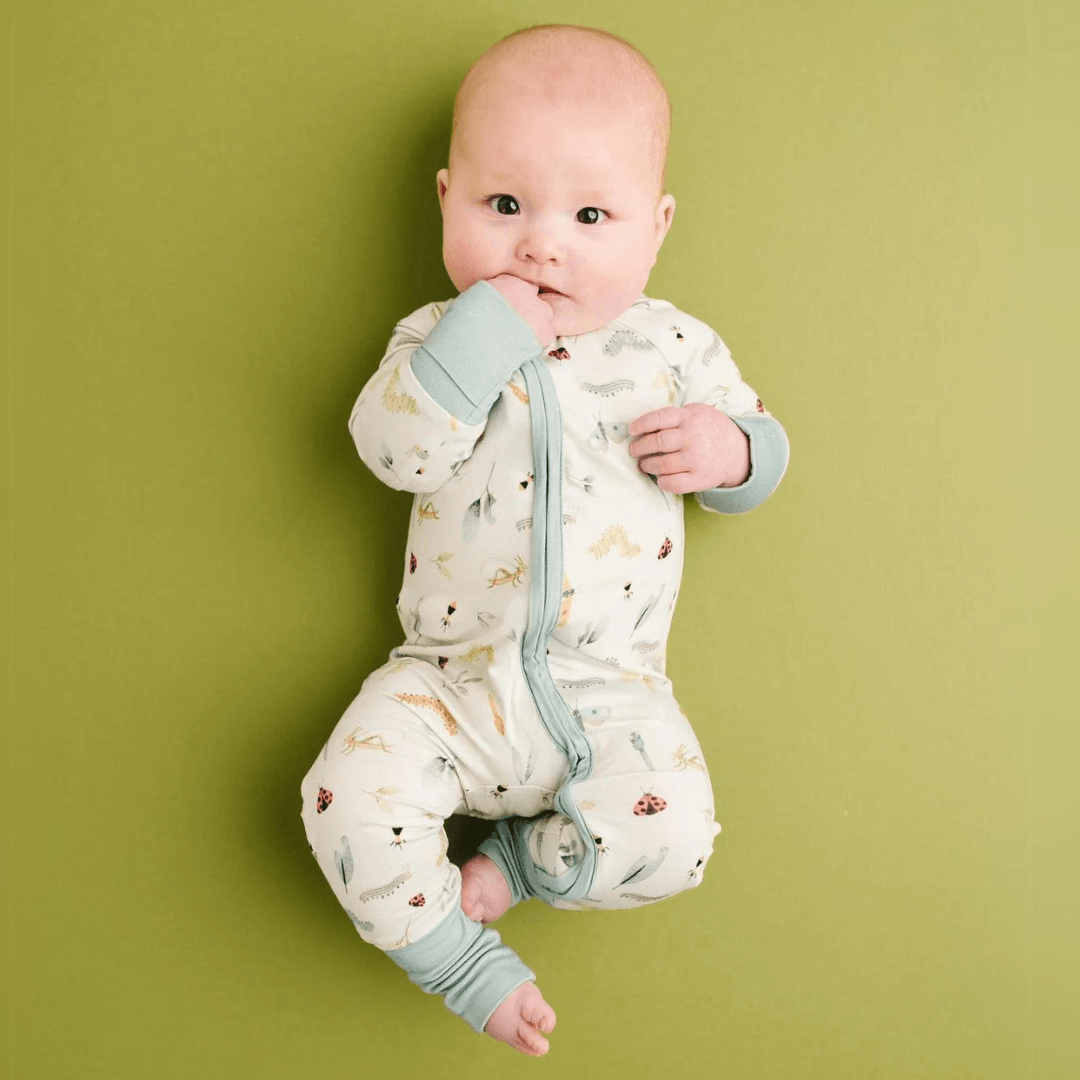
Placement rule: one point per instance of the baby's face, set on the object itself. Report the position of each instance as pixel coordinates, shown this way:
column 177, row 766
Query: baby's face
column 563, row 196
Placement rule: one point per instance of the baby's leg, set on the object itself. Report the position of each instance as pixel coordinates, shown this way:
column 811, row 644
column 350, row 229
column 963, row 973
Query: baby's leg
column 374, row 804
column 647, row 805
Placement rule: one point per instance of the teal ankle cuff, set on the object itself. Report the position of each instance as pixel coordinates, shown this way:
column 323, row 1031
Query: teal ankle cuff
column 467, row 964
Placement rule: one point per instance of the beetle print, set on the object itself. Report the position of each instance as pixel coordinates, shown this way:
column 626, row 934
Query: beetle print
column 324, row 800
column 665, row 548
column 559, row 354
column 412, row 563
column 443, row 661
column 649, row 804
column 417, row 900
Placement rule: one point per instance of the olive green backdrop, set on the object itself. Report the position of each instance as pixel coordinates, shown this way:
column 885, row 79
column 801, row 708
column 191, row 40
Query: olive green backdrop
column 219, row 209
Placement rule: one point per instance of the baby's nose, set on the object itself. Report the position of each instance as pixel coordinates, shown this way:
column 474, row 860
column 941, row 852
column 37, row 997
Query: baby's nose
column 541, row 242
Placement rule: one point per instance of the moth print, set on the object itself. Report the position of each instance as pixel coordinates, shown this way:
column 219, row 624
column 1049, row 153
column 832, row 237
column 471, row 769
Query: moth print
column 604, row 435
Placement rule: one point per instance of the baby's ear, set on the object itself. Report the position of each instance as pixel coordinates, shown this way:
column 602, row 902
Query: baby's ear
column 665, row 211
column 442, row 183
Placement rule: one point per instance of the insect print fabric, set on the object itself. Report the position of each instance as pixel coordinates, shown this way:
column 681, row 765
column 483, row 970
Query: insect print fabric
column 535, row 607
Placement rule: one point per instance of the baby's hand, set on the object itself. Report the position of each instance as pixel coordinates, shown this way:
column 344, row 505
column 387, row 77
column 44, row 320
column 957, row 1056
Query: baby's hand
column 524, row 299
column 693, row 448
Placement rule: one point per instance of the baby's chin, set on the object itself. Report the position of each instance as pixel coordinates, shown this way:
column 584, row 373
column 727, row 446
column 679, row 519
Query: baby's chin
column 573, row 318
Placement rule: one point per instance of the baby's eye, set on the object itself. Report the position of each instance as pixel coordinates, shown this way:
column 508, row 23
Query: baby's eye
column 505, row 204
column 590, row 215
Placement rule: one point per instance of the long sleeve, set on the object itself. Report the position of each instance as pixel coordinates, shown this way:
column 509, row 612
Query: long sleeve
column 420, row 415
column 710, row 376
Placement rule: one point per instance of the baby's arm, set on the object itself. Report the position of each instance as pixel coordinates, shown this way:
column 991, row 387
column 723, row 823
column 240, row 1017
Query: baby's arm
column 720, row 443
column 422, row 412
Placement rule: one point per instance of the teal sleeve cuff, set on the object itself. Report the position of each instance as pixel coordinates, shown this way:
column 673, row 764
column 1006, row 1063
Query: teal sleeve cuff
column 769, row 453
column 467, row 964
column 469, row 356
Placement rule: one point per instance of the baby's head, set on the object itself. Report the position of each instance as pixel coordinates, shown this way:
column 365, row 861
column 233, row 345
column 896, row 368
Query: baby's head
column 557, row 168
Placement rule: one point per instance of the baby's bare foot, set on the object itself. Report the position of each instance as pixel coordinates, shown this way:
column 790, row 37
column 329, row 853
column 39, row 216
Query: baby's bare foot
column 484, row 892
column 519, row 1020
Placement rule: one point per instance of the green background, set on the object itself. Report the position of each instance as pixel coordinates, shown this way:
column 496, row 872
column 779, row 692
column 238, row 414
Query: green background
column 218, row 211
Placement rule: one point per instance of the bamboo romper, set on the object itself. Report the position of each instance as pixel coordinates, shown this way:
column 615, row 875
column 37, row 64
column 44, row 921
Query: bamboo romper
column 539, row 583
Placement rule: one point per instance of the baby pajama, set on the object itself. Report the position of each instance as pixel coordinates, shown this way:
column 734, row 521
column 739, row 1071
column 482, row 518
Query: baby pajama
column 539, row 583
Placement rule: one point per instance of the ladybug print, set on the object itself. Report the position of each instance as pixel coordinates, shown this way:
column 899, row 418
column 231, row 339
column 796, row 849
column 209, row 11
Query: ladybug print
column 760, row 407
column 649, row 804
column 443, row 661
column 324, row 800
column 412, row 563
column 665, row 548
column 560, row 353
column 523, row 484
column 417, row 900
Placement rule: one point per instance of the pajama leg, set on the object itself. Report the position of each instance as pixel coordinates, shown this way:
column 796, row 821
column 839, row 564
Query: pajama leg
column 648, row 804
column 374, row 804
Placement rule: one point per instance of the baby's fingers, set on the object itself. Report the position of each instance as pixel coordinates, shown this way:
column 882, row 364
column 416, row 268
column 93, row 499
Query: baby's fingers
column 668, row 417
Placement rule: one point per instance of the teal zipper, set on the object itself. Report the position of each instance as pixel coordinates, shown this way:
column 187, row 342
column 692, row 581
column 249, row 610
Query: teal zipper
column 545, row 601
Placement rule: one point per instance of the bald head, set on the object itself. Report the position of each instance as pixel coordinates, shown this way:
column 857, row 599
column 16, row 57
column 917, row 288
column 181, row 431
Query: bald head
column 563, row 65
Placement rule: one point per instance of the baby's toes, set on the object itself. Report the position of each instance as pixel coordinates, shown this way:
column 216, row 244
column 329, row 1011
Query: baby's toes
column 530, row 1040
column 540, row 1014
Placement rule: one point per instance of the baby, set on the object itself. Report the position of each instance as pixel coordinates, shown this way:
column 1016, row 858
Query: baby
column 549, row 420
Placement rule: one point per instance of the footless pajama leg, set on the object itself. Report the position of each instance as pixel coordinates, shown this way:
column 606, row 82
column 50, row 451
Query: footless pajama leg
column 374, row 804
